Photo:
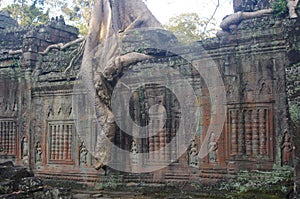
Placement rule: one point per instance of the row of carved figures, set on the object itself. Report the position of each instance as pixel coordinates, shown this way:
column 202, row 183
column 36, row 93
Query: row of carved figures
column 193, row 159
column 39, row 153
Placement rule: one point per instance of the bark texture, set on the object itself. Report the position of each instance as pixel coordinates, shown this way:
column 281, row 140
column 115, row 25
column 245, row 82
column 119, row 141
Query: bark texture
column 102, row 60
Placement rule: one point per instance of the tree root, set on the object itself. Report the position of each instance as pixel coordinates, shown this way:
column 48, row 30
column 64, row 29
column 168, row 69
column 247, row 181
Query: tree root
column 76, row 57
column 237, row 17
column 62, row 46
column 15, row 52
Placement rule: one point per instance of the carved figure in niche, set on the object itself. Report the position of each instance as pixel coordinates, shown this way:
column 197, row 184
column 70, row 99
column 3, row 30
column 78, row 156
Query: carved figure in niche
column 230, row 90
column 134, row 152
column 83, row 154
column 38, row 153
column 193, row 155
column 24, row 150
column 59, row 111
column 287, row 149
column 70, row 111
column 292, row 4
column 50, row 111
column 212, row 148
column 264, row 88
column 133, row 148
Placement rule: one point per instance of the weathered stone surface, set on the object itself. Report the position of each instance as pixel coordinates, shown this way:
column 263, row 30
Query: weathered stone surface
column 250, row 5
column 6, row 21
column 257, row 60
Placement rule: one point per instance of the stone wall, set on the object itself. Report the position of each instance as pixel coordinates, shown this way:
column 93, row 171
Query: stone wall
column 293, row 92
column 37, row 111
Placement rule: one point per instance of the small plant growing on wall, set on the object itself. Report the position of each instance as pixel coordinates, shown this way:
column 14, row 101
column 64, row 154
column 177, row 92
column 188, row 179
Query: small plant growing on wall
column 280, row 8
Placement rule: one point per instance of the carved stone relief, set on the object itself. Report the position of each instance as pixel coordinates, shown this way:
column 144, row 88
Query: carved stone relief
column 83, row 154
column 212, row 148
column 286, row 149
column 250, row 132
column 25, row 150
column 38, row 153
column 193, row 155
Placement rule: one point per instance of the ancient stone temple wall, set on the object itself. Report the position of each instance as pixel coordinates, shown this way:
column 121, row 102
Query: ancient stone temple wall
column 37, row 126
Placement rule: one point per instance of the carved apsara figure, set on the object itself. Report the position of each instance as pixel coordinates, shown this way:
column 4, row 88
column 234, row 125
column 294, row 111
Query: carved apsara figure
column 193, row 155
column 83, row 154
column 38, row 153
column 133, row 149
column 287, row 149
column 212, row 148
column 134, row 152
column 24, row 150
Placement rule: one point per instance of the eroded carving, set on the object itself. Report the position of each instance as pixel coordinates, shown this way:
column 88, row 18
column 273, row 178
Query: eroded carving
column 287, row 149
column 83, row 154
column 38, row 153
column 193, row 155
column 24, row 150
column 213, row 147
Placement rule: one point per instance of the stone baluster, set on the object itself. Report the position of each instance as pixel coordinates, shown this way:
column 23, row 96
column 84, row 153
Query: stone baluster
column 241, row 133
column 70, row 130
column 57, row 140
column 62, row 143
column 162, row 135
column 52, row 138
column 255, row 137
column 9, row 141
column 1, row 137
column 151, row 140
column 234, row 122
column 13, row 137
column 248, row 132
column 65, row 141
column 10, row 138
column 156, row 147
column 262, row 131
column 5, row 137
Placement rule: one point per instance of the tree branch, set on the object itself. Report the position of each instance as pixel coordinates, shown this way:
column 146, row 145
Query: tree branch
column 212, row 16
column 15, row 52
column 62, row 46
column 237, row 17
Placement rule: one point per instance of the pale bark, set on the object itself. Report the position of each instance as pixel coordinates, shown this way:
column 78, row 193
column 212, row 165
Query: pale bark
column 109, row 18
column 292, row 5
column 237, row 17
column 61, row 46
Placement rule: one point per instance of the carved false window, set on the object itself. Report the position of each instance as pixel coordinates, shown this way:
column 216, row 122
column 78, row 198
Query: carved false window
column 61, row 142
column 250, row 132
column 8, row 137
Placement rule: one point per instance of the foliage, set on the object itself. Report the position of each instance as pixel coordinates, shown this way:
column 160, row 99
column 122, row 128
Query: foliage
column 28, row 13
column 112, row 182
column 280, row 179
column 77, row 12
column 280, row 8
column 189, row 27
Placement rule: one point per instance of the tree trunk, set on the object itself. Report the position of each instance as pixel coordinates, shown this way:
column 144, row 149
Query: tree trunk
column 109, row 18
